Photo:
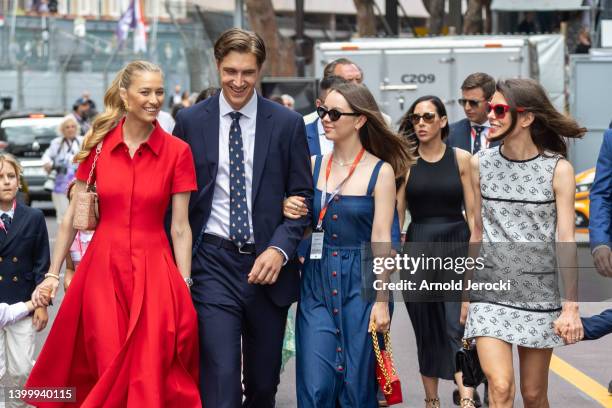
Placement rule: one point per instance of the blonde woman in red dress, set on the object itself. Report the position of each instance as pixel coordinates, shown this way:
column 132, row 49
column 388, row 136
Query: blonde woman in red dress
column 126, row 332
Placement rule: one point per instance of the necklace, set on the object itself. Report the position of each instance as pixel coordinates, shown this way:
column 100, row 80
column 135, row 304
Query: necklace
column 348, row 163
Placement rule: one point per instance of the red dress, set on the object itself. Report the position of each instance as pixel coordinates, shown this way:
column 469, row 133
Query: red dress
column 126, row 333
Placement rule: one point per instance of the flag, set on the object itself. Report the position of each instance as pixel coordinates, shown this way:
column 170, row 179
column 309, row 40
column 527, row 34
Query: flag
column 133, row 18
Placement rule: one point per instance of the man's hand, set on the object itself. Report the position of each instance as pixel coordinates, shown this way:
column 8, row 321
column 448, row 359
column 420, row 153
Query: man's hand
column 40, row 318
column 602, row 257
column 569, row 325
column 266, row 268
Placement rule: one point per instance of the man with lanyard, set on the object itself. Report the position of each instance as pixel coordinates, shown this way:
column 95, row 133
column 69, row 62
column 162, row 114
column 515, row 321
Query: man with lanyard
column 470, row 134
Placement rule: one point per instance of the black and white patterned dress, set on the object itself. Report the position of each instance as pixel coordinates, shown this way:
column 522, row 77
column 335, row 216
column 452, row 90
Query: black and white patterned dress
column 519, row 218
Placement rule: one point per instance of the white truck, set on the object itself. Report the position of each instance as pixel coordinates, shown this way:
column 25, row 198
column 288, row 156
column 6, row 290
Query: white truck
column 399, row 70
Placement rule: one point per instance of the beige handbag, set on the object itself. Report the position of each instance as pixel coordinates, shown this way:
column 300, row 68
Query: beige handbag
column 86, row 213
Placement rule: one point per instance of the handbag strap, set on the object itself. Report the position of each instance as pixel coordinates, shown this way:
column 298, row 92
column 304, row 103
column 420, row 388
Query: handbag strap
column 93, row 166
column 387, row 389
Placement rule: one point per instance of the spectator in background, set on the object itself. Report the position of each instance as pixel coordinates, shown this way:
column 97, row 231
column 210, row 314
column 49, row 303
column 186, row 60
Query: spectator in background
column 528, row 25
column 80, row 111
column 288, row 101
column 184, row 103
column 584, row 42
column 207, row 93
column 58, row 160
column 345, row 68
column 92, row 105
column 175, row 98
column 276, row 98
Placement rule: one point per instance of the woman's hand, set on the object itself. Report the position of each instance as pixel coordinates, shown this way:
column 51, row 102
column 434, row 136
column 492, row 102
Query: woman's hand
column 380, row 317
column 295, row 207
column 465, row 306
column 45, row 292
column 569, row 325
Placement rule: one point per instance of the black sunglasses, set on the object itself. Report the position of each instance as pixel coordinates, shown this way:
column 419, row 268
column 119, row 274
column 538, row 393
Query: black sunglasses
column 428, row 117
column 473, row 102
column 334, row 114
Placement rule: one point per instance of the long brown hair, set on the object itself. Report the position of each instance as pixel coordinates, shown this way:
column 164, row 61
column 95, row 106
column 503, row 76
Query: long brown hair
column 114, row 109
column 550, row 128
column 375, row 134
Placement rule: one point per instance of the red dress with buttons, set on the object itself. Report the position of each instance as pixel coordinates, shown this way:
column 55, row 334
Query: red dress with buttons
column 126, row 333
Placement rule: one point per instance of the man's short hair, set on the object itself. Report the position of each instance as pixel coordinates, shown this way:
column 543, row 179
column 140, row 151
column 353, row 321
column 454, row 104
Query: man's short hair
column 329, row 68
column 480, row 80
column 243, row 41
column 329, row 82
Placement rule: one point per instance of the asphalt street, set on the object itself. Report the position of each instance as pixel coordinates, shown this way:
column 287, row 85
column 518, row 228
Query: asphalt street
column 579, row 374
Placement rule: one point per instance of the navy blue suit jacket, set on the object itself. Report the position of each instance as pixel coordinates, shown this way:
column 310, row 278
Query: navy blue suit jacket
column 597, row 326
column 600, row 209
column 460, row 135
column 281, row 168
column 312, row 135
column 24, row 255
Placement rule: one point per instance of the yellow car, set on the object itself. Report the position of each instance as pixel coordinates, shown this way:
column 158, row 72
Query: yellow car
column 584, row 181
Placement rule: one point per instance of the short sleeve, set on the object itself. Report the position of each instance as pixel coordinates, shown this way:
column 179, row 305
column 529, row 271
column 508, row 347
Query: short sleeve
column 184, row 178
column 85, row 166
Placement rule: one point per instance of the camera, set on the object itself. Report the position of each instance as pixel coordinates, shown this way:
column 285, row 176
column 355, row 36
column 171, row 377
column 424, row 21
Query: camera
column 50, row 181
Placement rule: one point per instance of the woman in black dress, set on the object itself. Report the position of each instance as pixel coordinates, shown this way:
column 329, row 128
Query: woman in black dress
column 436, row 189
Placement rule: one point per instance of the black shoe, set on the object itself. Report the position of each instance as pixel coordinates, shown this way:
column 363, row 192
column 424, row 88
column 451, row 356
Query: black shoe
column 610, row 388
column 457, row 398
column 486, row 394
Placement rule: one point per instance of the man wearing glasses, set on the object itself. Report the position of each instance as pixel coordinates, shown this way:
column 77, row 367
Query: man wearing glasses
column 471, row 133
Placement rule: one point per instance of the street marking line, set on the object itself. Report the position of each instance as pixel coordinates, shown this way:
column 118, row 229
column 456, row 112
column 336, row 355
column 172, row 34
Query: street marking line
column 581, row 381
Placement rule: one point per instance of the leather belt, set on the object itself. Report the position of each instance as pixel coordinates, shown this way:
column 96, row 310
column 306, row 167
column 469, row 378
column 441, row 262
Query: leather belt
column 219, row 242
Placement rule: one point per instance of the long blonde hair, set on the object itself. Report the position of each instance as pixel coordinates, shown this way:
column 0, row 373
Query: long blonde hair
column 114, row 109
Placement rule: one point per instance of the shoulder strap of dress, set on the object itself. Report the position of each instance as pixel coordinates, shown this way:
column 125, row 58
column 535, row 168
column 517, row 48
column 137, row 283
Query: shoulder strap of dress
column 374, row 177
column 317, row 169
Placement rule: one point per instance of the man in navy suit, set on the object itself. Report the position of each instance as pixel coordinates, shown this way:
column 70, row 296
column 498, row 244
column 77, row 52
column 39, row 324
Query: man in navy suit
column 470, row 134
column 317, row 142
column 249, row 153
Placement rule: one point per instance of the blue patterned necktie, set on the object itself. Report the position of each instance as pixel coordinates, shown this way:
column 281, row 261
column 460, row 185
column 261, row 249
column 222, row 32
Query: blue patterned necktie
column 6, row 219
column 239, row 216
column 478, row 132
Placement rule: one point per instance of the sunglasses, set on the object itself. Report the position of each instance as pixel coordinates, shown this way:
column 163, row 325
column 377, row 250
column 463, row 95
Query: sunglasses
column 334, row 114
column 428, row 117
column 500, row 110
column 473, row 102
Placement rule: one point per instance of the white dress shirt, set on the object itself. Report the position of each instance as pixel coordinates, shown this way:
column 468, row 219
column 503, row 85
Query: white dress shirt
column 325, row 144
column 11, row 313
column 484, row 143
column 218, row 222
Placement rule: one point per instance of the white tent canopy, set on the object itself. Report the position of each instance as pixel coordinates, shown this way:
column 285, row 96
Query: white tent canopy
column 414, row 8
column 538, row 5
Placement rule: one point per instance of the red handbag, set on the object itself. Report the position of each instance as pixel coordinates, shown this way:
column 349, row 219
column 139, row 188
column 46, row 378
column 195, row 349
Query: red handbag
column 386, row 374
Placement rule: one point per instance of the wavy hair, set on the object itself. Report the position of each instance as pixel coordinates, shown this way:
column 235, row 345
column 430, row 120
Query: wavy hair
column 550, row 128
column 406, row 127
column 114, row 110
column 376, row 136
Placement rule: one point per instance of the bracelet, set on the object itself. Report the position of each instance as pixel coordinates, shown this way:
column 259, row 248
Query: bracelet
column 52, row 275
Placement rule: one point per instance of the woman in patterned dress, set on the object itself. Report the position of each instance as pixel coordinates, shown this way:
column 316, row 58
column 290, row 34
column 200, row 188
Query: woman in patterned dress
column 524, row 193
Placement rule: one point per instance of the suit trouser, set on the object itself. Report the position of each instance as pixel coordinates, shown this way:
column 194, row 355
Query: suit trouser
column 237, row 321
column 597, row 326
column 16, row 355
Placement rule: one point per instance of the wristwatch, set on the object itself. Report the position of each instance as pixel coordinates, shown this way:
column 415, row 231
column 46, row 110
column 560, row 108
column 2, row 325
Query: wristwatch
column 188, row 281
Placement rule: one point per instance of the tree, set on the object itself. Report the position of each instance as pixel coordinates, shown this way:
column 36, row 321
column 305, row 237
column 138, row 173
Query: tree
column 366, row 19
column 280, row 56
column 435, row 8
column 473, row 22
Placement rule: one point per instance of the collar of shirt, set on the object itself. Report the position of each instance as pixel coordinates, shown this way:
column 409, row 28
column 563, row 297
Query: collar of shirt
column 249, row 109
column 154, row 143
column 320, row 127
column 487, row 125
column 11, row 212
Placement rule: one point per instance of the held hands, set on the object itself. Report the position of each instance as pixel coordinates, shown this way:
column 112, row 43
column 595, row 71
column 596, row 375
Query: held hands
column 602, row 257
column 569, row 325
column 380, row 317
column 295, row 207
column 45, row 292
column 266, row 268
column 40, row 318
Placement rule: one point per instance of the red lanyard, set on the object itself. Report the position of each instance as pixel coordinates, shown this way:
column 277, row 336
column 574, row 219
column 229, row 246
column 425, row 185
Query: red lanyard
column 2, row 223
column 324, row 203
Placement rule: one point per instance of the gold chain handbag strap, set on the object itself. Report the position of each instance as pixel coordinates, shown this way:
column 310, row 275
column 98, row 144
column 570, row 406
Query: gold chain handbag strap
column 93, row 166
column 387, row 389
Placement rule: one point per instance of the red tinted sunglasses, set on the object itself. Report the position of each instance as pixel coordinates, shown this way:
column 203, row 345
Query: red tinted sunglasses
column 500, row 110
